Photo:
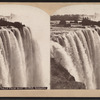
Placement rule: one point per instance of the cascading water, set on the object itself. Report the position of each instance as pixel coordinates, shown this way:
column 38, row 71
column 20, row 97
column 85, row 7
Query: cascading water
column 19, row 57
column 78, row 52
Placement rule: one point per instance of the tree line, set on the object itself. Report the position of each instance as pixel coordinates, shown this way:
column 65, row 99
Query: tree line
column 4, row 22
column 66, row 17
column 87, row 21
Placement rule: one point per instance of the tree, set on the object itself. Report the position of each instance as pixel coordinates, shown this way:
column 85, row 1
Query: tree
column 62, row 22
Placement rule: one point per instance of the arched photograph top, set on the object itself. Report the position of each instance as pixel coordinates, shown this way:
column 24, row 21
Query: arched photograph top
column 75, row 47
column 24, row 35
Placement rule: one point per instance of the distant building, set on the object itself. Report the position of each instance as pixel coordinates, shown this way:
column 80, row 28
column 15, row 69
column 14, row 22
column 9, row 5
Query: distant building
column 10, row 17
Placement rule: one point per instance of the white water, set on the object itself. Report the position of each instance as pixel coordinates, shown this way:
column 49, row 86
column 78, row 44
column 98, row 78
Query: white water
column 19, row 58
column 80, row 55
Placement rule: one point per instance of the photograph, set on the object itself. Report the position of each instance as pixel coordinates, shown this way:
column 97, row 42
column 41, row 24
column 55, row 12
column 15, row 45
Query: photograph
column 75, row 47
column 49, row 49
column 24, row 59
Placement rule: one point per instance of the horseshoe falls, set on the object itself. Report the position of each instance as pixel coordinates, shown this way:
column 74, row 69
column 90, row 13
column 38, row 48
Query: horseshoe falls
column 78, row 52
column 19, row 58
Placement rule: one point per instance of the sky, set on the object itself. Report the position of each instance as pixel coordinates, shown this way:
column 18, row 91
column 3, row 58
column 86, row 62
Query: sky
column 79, row 9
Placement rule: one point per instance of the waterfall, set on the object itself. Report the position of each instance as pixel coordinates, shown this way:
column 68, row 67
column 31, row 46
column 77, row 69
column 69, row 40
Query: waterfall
column 19, row 58
column 79, row 52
